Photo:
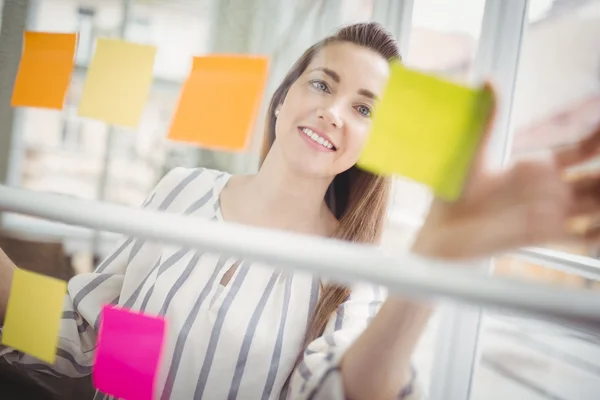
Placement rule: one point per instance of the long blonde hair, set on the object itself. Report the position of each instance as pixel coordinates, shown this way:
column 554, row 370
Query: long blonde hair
column 356, row 197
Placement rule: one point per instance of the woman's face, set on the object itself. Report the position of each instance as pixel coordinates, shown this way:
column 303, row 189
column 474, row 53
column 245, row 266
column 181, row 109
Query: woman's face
column 326, row 116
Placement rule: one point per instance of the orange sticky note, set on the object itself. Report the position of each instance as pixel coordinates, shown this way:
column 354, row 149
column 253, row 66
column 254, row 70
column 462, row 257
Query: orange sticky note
column 219, row 101
column 45, row 70
column 33, row 314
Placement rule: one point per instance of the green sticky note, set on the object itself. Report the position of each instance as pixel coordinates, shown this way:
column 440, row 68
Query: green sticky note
column 427, row 129
column 33, row 314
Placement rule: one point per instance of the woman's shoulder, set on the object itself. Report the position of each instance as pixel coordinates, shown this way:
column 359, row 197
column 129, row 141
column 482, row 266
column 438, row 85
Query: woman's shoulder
column 181, row 175
column 180, row 185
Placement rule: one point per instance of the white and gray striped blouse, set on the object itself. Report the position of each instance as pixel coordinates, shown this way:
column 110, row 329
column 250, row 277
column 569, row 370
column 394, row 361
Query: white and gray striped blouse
column 234, row 342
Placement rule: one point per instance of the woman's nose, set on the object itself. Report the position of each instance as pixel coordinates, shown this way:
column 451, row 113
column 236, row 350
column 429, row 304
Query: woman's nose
column 330, row 116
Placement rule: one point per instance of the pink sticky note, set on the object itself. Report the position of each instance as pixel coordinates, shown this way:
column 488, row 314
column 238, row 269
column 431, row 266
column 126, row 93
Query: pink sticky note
column 128, row 353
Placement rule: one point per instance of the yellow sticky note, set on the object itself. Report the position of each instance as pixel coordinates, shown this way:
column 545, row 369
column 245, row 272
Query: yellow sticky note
column 33, row 314
column 118, row 82
column 427, row 129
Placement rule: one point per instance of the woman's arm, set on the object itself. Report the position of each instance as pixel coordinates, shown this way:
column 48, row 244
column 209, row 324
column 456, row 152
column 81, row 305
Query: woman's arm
column 529, row 203
column 332, row 360
column 377, row 365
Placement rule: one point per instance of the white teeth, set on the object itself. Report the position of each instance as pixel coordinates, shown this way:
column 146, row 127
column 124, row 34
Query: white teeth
column 314, row 136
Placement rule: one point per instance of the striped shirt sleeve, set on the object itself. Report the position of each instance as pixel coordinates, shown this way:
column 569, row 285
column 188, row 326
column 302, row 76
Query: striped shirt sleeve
column 317, row 377
column 86, row 295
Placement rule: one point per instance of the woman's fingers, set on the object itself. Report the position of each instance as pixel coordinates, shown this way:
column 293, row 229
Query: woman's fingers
column 584, row 212
column 585, row 190
column 478, row 165
column 592, row 237
column 587, row 233
column 579, row 152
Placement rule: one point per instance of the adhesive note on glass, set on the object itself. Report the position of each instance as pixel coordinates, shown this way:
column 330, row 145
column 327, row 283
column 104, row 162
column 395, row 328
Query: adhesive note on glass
column 33, row 314
column 45, row 70
column 118, row 82
column 128, row 353
column 427, row 129
column 219, row 102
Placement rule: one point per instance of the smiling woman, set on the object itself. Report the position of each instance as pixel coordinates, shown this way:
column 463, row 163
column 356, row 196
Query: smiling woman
column 330, row 101
column 301, row 336
column 304, row 185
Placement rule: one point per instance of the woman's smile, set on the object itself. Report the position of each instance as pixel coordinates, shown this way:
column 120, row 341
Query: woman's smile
column 316, row 139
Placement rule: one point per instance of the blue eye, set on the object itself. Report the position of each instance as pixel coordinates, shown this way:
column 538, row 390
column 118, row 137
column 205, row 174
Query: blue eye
column 320, row 85
column 364, row 110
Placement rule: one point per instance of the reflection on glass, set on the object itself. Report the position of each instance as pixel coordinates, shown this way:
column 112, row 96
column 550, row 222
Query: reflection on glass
column 557, row 94
column 556, row 102
column 533, row 360
column 65, row 154
column 444, row 36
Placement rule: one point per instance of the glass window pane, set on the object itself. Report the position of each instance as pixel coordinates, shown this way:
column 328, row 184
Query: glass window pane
column 558, row 91
column 556, row 102
column 557, row 95
column 527, row 359
column 444, row 36
column 66, row 154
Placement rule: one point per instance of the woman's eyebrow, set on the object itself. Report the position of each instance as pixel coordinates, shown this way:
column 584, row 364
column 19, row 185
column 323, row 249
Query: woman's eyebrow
column 367, row 93
column 329, row 72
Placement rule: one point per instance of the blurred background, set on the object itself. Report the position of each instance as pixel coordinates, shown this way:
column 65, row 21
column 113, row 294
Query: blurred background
column 553, row 98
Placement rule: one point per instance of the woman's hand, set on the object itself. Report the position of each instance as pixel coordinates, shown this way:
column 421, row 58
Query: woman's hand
column 532, row 202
